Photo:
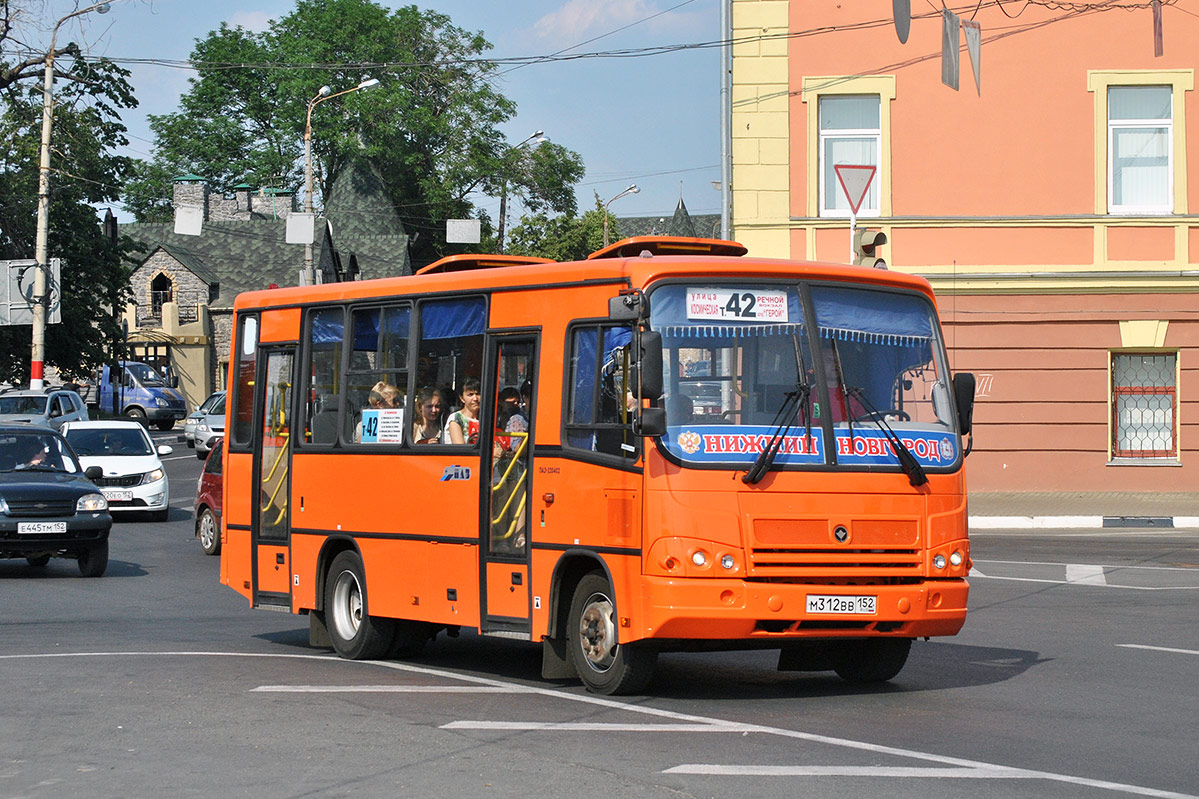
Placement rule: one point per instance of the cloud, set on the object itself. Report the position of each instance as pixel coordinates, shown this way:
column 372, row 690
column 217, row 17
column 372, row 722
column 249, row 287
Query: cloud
column 256, row 21
column 579, row 19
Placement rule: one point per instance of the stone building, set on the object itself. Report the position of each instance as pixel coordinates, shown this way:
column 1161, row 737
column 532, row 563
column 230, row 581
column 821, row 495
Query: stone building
column 184, row 285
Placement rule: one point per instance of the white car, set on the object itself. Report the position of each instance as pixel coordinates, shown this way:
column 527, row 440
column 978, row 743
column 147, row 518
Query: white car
column 198, row 415
column 133, row 479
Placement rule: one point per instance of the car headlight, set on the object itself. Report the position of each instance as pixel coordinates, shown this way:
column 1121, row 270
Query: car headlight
column 90, row 503
column 154, row 476
column 202, row 428
column 3, row 506
column 161, row 403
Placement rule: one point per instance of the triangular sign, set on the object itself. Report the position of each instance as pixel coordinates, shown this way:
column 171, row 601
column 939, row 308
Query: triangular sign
column 855, row 182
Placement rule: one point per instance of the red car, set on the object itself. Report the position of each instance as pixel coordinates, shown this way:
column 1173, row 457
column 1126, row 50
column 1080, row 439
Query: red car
column 208, row 503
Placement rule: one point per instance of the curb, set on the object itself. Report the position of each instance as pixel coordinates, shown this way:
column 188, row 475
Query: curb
column 1081, row 522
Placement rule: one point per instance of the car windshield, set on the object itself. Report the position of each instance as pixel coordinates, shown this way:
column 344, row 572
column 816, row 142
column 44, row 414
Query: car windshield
column 98, row 441
column 738, row 358
column 35, row 451
column 145, row 374
column 30, row 404
column 218, row 407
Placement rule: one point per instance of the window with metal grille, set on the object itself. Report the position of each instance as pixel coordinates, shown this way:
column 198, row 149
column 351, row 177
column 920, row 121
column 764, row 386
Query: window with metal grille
column 1144, row 402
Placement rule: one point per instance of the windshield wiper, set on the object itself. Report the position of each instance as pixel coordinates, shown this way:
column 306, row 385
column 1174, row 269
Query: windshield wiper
column 782, row 421
column 907, row 461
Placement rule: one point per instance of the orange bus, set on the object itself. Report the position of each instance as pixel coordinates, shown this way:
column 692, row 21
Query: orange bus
column 668, row 446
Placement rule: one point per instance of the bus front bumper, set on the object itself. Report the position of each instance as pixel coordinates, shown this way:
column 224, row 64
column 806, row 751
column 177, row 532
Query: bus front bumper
column 733, row 610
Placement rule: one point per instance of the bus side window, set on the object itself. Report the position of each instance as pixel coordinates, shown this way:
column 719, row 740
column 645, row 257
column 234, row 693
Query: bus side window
column 598, row 413
column 450, row 349
column 326, row 332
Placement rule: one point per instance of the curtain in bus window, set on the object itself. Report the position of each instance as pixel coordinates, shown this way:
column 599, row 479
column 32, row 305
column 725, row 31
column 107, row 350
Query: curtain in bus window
column 453, row 318
column 326, row 330
column 879, row 336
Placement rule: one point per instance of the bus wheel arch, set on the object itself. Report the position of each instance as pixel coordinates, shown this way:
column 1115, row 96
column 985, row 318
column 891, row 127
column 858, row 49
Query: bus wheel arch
column 353, row 631
column 593, row 646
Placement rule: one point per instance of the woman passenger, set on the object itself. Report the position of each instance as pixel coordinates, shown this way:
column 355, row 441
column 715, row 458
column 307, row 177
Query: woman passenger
column 427, row 426
column 463, row 424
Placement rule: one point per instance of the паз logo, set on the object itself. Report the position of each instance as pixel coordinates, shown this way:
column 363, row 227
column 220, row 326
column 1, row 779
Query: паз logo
column 455, row 473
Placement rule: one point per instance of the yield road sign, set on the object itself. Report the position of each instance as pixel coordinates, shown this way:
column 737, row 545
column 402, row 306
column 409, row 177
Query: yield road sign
column 855, row 182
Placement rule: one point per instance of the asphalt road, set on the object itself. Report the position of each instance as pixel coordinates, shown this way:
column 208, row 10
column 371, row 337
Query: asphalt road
column 1074, row 677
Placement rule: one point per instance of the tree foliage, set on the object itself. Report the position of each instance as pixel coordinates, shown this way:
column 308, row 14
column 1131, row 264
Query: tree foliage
column 431, row 126
column 88, row 97
column 565, row 237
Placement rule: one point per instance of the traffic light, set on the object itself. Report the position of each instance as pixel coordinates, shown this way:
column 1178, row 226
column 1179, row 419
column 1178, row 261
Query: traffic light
column 866, row 251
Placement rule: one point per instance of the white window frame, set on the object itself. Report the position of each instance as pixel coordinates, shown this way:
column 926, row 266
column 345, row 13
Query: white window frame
column 823, row 136
column 1114, row 125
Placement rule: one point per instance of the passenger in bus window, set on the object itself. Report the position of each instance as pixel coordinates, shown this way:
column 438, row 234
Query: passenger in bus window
column 427, row 426
column 382, row 395
column 463, row 424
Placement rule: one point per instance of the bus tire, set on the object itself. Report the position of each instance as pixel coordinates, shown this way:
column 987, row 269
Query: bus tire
column 356, row 635
column 604, row 665
column 872, row 660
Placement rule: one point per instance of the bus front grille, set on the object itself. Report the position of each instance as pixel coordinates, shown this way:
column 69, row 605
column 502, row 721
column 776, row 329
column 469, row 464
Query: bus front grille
column 826, row 562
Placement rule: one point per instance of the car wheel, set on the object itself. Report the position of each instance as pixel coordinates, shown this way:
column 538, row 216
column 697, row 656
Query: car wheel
column 356, row 635
column 38, row 561
column 165, row 424
column 94, row 560
column 201, row 453
column 207, row 532
column 160, row 515
column 191, row 443
column 605, row 665
column 136, row 414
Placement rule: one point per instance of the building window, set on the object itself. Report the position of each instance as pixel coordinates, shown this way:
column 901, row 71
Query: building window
column 850, row 133
column 1144, row 404
column 1140, row 135
column 162, row 289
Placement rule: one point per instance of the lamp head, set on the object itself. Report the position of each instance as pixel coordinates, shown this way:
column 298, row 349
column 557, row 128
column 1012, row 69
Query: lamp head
column 324, row 91
column 368, row 83
column 104, row 9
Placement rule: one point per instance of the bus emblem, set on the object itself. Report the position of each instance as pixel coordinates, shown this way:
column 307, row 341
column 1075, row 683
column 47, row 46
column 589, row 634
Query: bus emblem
column 455, row 473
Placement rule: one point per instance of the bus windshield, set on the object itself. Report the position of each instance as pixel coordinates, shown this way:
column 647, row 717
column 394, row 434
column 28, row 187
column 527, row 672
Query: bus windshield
column 744, row 365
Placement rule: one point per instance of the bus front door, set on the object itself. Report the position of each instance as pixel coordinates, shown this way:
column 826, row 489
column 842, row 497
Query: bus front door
column 272, row 476
column 507, row 465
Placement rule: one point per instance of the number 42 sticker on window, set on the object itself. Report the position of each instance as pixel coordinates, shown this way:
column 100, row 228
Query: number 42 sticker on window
column 742, row 305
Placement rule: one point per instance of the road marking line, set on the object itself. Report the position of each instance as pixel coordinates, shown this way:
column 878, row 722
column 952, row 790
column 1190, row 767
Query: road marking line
column 1085, row 574
column 590, row 726
column 1161, row 649
column 1098, row 566
column 645, row 710
column 385, row 689
column 851, row 771
column 1106, row 585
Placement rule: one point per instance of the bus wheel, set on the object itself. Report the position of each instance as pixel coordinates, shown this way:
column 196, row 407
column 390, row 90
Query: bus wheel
column 605, row 666
column 873, row 660
column 355, row 634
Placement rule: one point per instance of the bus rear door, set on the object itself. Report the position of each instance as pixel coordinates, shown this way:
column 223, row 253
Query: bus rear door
column 507, row 461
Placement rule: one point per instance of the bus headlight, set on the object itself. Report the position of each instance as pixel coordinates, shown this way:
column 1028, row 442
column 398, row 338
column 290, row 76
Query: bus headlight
column 728, row 562
column 939, row 561
column 699, row 558
column 956, row 558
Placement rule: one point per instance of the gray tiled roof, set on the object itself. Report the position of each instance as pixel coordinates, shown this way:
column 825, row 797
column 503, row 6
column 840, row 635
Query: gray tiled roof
column 251, row 254
column 681, row 223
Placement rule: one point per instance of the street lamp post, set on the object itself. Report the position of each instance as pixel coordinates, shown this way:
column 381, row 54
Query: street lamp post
column 537, row 138
column 41, row 252
column 324, row 94
column 630, row 190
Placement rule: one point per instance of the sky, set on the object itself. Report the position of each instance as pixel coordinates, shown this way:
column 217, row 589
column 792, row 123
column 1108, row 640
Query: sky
column 650, row 120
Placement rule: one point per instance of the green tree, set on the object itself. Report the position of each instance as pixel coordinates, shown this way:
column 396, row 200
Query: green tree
column 565, row 237
column 88, row 96
column 431, row 126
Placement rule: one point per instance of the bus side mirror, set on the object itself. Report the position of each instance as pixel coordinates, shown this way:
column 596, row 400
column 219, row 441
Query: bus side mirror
column 963, row 392
column 649, row 362
column 650, row 422
column 628, row 307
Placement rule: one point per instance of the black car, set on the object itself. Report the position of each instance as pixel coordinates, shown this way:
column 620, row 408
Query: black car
column 49, row 506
